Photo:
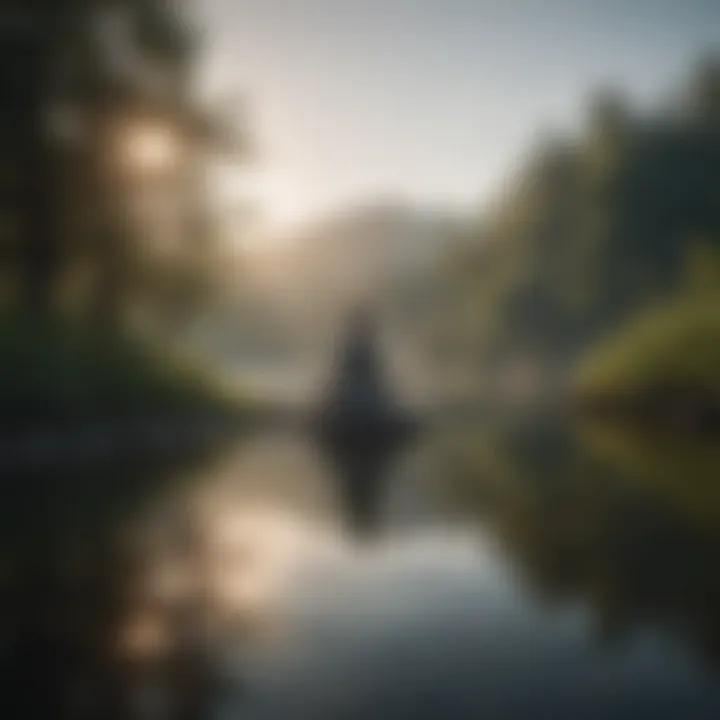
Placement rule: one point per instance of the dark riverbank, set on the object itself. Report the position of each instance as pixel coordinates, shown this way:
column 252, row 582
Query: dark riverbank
column 692, row 411
column 57, row 375
column 661, row 369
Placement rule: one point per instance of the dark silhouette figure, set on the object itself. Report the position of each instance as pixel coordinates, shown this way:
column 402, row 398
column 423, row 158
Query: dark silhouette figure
column 360, row 426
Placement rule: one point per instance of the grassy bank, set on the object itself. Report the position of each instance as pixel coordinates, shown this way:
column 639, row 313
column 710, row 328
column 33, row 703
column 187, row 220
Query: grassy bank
column 665, row 363
column 55, row 373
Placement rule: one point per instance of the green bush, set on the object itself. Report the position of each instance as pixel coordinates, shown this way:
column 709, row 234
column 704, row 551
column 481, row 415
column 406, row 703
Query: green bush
column 675, row 348
column 55, row 371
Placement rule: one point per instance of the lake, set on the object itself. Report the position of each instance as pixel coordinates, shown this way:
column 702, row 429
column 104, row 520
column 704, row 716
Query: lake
column 490, row 568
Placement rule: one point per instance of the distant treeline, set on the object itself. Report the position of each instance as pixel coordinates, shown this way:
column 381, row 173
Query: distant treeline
column 593, row 231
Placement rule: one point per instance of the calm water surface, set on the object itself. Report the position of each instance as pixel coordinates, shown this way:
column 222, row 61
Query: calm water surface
column 531, row 570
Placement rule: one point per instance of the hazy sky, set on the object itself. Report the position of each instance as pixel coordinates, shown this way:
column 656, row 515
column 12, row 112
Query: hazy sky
column 429, row 100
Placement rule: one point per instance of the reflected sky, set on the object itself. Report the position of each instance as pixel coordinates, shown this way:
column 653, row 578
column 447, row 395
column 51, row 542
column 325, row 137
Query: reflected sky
column 445, row 630
column 560, row 588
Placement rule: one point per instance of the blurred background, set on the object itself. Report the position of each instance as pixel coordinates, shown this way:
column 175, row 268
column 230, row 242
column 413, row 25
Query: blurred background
column 394, row 292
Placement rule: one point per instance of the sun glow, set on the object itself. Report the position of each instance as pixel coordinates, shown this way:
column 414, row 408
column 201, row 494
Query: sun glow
column 272, row 207
column 149, row 148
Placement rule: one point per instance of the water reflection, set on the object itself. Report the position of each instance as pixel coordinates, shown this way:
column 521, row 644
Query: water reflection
column 587, row 522
column 360, row 426
column 362, row 459
column 546, row 571
column 547, row 566
column 443, row 630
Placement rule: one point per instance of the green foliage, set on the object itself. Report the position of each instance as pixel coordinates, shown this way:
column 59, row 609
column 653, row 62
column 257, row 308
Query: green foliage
column 675, row 348
column 104, row 74
column 590, row 233
column 672, row 348
column 55, row 372
column 702, row 270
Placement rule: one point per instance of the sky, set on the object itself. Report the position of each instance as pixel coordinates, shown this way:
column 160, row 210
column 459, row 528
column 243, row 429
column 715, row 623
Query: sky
column 427, row 101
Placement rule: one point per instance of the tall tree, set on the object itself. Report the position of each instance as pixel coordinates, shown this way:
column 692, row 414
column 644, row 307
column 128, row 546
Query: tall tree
column 93, row 92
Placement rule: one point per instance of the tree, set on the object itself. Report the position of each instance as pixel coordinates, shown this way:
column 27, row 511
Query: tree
column 93, row 93
column 594, row 230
